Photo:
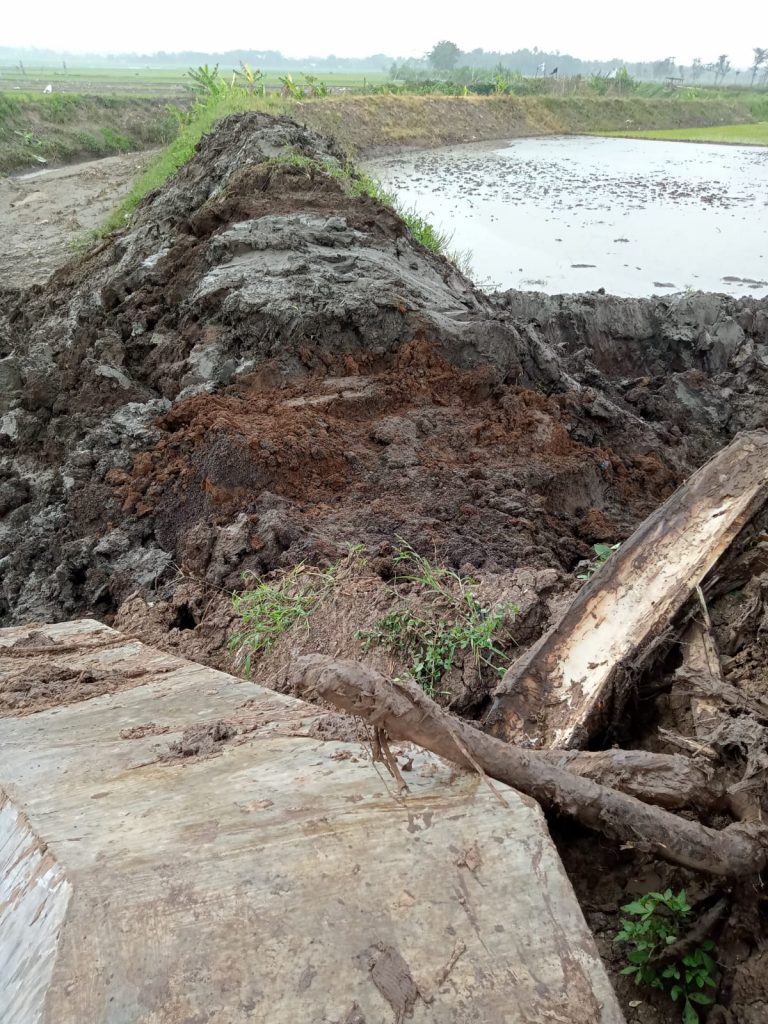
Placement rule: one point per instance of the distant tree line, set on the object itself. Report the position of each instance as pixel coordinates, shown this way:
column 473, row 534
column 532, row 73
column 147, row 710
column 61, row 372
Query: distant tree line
column 444, row 57
column 271, row 59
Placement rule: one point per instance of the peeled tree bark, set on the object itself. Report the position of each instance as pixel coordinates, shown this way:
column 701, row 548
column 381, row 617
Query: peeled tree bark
column 406, row 714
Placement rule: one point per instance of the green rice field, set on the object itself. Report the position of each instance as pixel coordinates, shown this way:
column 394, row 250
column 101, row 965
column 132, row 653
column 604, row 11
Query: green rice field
column 728, row 134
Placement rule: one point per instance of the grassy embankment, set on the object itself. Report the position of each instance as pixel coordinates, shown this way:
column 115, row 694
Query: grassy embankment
column 63, row 128
column 369, row 122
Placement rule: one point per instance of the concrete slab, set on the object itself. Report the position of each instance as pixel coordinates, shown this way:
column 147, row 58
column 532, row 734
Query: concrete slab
column 271, row 876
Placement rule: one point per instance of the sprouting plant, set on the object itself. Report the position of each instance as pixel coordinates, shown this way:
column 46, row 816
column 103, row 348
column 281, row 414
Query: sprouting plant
column 28, row 137
column 660, row 919
column 315, row 86
column 206, row 82
column 272, row 607
column 602, row 553
column 250, row 79
column 290, row 88
column 450, row 623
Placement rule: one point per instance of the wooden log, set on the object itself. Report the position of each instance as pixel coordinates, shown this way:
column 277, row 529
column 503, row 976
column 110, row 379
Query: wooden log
column 560, row 693
column 407, row 714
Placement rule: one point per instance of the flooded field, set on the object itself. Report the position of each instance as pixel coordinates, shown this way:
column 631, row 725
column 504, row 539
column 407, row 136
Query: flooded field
column 567, row 214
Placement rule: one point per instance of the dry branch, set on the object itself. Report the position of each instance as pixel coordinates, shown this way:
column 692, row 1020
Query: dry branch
column 407, row 714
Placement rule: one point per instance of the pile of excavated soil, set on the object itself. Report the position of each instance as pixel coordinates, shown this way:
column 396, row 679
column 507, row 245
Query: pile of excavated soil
column 264, row 370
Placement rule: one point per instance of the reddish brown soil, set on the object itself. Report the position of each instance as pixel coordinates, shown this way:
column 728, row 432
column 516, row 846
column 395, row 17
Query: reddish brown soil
column 483, row 474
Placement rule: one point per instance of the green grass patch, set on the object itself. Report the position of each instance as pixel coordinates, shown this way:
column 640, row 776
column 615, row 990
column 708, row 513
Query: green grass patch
column 438, row 621
column 724, row 134
column 270, row 608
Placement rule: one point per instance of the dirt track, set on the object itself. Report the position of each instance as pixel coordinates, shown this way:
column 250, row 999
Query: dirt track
column 43, row 213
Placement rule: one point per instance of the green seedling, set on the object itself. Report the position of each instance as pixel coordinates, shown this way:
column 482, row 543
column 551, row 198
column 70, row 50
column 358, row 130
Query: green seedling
column 450, row 623
column 602, row 553
column 658, row 921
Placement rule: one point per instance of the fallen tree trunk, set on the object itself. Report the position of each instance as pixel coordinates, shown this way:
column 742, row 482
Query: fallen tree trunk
column 562, row 690
column 405, row 713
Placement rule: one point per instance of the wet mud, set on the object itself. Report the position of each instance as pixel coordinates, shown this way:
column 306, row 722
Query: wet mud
column 571, row 213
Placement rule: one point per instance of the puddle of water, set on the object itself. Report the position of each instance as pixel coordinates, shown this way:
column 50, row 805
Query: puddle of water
column 564, row 214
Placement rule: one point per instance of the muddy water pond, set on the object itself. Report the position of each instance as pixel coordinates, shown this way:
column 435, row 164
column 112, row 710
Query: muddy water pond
column 573, row 213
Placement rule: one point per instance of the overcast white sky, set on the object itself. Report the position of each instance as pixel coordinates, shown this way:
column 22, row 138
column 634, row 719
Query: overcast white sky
column 597, row 29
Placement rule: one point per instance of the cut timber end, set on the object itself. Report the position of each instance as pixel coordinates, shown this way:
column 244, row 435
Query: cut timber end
column 558, row 693
column 275, row 878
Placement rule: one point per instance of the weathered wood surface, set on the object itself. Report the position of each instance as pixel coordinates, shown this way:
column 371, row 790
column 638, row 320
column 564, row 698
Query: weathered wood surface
column 34, row 895
column 404, row 712
column 276, row 878
column 560, row 693
column 703, row 673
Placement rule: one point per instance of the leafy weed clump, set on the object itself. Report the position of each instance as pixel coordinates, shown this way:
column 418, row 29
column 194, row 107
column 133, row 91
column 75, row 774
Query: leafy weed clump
column 450, row 623
column 659, row 920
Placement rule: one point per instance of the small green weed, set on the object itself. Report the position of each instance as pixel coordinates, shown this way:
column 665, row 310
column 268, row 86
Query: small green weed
column 115, row 141
column 28, row 137
column 453, row 622
column 602, row 553
column 660, row 919
column 250, row 79
column 271, row 608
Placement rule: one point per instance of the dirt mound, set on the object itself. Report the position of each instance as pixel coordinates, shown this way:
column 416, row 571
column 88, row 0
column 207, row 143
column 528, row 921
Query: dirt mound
column 265, row 368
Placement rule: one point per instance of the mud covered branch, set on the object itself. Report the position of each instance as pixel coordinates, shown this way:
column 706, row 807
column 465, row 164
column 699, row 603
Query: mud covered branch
column 407, row 714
